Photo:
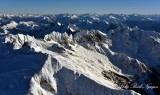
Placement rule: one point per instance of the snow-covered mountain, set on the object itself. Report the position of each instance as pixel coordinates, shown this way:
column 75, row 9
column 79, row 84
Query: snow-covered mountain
column 89, row 54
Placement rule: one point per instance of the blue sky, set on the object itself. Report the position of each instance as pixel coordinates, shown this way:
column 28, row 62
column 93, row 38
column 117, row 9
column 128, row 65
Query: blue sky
column 80, row 6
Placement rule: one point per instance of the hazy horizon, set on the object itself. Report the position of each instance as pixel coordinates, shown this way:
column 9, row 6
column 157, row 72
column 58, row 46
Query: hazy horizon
column 80, row 7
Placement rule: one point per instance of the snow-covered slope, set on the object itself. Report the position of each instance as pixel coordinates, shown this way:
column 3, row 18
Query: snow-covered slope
column 77, row 55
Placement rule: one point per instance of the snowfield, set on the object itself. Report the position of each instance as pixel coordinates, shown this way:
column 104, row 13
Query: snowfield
column 85, row 54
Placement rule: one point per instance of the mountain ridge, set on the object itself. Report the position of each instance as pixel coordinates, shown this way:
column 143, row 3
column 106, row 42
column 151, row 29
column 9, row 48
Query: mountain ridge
column 79, row 55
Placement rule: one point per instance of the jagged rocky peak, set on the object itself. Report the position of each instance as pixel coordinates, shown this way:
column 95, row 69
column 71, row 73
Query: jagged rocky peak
column 93, row 39
column 18, row 40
